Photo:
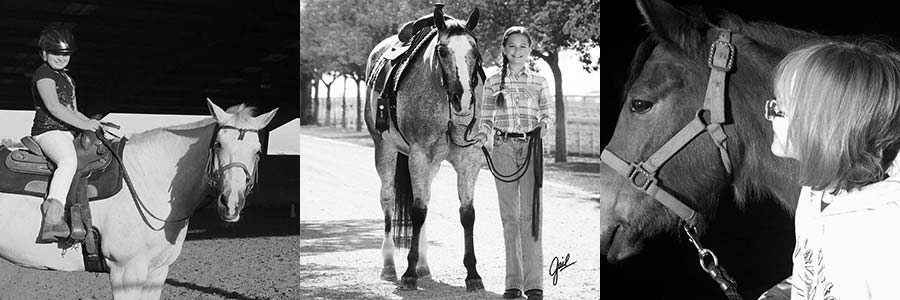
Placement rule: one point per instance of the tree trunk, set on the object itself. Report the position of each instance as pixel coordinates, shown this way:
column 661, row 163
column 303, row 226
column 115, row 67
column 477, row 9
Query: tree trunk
column 359, row 117
column 307, row 112
column 316, row 100
column 328, row 105
column 552, row 59
column 344, row 105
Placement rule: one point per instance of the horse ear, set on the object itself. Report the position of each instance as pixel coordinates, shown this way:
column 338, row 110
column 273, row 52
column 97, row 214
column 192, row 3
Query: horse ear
column 439, row 19
column 472, row 21
column 266, row 118
column 217, row 112
column 673, row 24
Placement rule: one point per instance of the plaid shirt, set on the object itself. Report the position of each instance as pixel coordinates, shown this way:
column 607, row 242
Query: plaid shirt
column 527, row 103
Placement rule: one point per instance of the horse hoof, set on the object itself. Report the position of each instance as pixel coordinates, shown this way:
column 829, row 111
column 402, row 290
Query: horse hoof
column 408, row 284
column 474, row 285
column 389, row 274
column 423, row 272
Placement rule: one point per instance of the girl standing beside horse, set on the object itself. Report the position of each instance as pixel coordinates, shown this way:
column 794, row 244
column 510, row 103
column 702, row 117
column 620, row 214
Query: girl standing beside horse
column 837, row 112
column 516, row 103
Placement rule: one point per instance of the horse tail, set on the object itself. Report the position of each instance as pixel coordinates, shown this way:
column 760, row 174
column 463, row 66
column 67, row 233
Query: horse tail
column 403, row 203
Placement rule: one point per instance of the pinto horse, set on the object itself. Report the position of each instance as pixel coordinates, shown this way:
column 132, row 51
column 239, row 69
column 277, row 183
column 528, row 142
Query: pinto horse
column 666, row 91
column 441, row 85
column 172, row 169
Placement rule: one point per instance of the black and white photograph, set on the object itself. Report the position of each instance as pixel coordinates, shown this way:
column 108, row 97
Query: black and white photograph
column 150, row 149
column 450, row 150
column 749, row 150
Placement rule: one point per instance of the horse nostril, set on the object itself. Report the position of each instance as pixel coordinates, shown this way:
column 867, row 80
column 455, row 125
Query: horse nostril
column 222, row 201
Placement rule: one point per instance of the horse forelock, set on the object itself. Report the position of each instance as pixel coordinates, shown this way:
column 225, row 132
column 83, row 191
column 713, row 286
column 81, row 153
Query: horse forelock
column 243, row 114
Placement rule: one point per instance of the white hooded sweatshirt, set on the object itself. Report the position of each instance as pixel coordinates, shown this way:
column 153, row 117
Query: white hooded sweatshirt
column 850, row 249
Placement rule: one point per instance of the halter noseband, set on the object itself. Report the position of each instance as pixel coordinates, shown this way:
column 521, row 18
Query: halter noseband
column 216, row 174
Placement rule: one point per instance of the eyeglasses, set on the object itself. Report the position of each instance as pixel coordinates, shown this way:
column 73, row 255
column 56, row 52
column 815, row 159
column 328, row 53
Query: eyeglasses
column 772, row 110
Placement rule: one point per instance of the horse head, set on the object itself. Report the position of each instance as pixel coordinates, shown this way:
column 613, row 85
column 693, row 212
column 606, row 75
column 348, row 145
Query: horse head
column 665, row 91
column 234, row 156
column 457, row 55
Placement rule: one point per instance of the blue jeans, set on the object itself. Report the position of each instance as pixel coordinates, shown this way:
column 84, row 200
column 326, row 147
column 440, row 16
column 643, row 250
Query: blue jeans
column 524, row 253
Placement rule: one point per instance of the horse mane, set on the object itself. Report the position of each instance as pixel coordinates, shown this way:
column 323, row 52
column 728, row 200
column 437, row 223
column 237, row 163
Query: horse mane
column 147, row 135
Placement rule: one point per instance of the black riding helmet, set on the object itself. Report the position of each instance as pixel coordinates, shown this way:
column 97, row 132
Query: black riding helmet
column 57, row 40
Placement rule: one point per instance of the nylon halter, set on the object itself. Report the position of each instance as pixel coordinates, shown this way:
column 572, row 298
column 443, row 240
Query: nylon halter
column 643, row 175
column 214, row 175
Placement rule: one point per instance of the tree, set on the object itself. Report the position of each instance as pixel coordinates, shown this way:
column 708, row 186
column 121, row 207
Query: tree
column 332, row 76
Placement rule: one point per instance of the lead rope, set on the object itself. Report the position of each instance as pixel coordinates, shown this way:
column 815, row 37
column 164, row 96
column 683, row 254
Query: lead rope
column 711, row 266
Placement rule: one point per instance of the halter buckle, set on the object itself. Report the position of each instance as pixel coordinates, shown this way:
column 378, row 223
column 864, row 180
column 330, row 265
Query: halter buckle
column 710, row 61
column 647, row 179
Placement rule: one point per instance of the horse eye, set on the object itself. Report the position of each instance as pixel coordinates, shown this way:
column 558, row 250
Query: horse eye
column 217, row 145
column 443, row 52
column 640, row 106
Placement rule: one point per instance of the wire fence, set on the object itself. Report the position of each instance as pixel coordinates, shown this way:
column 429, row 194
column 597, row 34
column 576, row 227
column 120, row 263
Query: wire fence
column 582, row 123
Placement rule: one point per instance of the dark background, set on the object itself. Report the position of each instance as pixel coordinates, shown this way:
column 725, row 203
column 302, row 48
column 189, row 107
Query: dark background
column 155, row 56
column 754, row 246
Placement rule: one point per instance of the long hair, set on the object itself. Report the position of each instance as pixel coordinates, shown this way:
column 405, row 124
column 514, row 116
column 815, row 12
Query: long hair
column 500, row 101
column 842, row 100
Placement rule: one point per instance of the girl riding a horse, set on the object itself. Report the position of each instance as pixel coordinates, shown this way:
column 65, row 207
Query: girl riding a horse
column 56, row 116
column 517, row 101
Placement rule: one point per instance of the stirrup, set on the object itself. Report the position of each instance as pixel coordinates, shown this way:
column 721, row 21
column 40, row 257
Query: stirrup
column 78, row 231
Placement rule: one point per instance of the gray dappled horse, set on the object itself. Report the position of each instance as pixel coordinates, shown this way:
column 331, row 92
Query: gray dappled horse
column 441, row 84
column 665, row 89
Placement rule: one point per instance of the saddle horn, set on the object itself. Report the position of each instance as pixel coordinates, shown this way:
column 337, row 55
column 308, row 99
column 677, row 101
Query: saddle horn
column 439, row 17
column 472, row 21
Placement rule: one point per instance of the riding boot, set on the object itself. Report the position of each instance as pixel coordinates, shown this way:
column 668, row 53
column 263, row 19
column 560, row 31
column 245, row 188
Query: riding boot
column 78, row 228
column 53, row 227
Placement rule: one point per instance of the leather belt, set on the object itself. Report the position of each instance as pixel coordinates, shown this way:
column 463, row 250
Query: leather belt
column 515, row 135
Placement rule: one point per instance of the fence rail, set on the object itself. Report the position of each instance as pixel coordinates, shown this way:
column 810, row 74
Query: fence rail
column 582, row 123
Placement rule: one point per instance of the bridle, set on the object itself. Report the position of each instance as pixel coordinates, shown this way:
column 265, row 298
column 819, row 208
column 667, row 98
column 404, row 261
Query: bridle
column 215, row 175
column 643, row 175
column 473, row 84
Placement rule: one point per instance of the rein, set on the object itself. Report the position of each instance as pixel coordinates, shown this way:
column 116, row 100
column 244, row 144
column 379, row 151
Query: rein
column 142, row 208
column 643, row 175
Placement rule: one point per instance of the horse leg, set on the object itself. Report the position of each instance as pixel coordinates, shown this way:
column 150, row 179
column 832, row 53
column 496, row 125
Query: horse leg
column 465, row 184
column 422, row 171
column 156, row 279
column 127, row 280
column 384, row 162
column 422, row 268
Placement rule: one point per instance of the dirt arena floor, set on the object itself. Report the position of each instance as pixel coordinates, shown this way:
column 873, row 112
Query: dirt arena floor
column 254, row 259
column 342, row 226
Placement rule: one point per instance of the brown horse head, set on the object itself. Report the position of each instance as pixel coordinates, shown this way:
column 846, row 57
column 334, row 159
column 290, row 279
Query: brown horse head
column 665, row 90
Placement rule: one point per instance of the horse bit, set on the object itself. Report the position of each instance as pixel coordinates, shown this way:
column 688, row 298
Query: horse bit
column 643, row 175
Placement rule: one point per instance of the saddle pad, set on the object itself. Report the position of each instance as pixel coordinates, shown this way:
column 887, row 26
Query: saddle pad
column 102, row 183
